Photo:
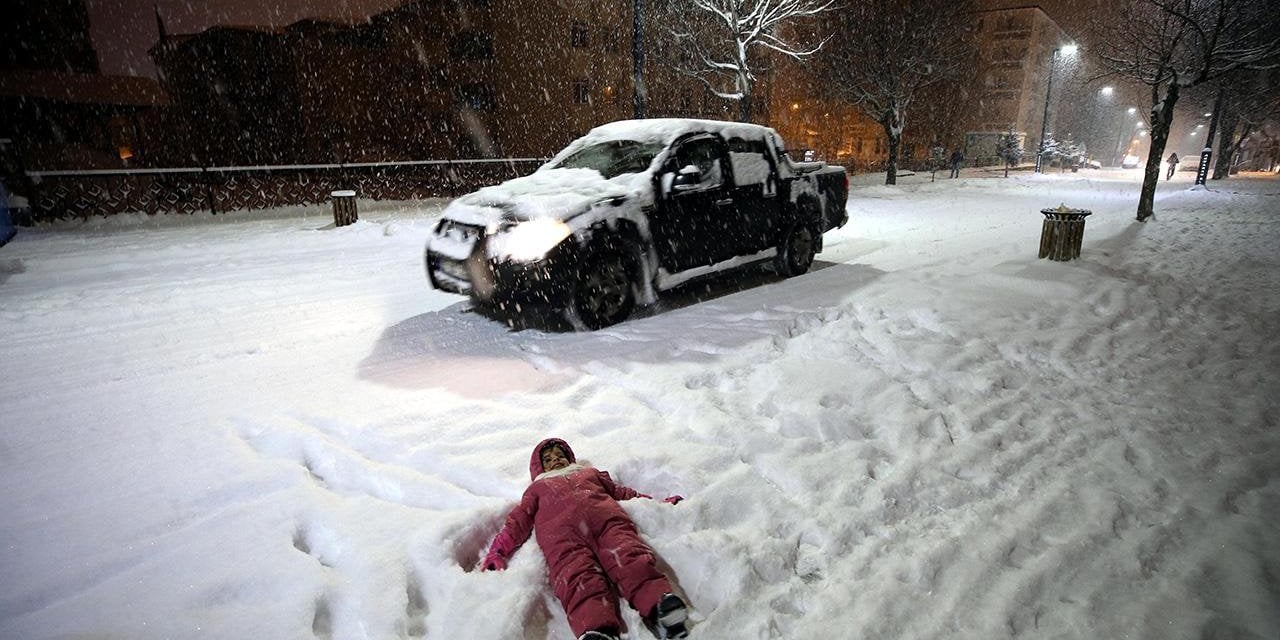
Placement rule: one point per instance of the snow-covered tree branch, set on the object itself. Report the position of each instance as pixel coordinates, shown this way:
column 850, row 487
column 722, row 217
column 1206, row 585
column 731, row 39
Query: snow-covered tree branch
column 721, row 40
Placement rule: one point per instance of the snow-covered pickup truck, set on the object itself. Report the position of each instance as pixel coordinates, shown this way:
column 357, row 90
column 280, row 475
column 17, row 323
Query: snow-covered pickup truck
column 634, row 208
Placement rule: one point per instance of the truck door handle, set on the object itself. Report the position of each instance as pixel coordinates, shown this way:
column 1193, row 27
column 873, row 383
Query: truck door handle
column 725, row 202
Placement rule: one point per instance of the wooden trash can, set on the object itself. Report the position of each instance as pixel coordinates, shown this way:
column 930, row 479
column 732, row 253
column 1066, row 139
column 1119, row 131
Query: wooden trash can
column 344, row 208
column 1062, row 233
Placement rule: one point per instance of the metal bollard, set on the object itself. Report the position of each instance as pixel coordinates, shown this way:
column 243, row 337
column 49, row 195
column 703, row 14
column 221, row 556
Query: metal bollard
column 344, row 208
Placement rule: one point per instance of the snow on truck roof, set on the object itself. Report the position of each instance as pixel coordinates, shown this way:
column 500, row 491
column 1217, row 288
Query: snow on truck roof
column 668, row 129
column 665, row 130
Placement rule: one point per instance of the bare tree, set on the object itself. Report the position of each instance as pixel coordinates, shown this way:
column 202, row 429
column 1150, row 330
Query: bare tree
column 723, row 39
column 887, row 52
column 1173, row 45
column 1246, row 104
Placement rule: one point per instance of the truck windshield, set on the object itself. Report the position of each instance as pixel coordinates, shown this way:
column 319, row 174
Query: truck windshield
column 613, row 158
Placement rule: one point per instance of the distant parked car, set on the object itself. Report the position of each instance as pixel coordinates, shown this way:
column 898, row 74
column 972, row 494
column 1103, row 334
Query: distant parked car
column 1130, row 162
column 1092, row 164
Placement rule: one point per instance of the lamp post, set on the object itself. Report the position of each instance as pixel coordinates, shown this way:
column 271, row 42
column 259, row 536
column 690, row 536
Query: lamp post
column 1206, row 154
column 1125, row 132
column 1066, row 50
column 637, row 57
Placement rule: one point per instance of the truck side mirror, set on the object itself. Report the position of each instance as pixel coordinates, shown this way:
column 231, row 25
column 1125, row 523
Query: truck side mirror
column 687, row 179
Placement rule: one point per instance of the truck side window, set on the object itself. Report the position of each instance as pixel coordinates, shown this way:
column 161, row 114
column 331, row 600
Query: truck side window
column 749, row 168
column 704, row 155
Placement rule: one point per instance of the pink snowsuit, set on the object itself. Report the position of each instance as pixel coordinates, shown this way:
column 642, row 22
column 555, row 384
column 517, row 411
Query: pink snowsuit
column 585, row 536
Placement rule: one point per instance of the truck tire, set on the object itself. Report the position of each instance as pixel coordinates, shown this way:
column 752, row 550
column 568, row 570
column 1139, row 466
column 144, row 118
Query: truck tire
column 604, row 292
column 795, row 254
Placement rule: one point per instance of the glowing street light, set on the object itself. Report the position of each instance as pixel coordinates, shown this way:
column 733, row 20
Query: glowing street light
column 1107, row 91
column 1133, row 110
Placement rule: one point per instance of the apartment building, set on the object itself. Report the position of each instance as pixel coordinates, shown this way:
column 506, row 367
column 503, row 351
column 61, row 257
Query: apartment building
column 424, row 80
column 1016, row 47
column 59, row 110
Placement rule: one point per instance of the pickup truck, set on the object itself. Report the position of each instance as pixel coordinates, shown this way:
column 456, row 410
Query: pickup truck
column 634, row 208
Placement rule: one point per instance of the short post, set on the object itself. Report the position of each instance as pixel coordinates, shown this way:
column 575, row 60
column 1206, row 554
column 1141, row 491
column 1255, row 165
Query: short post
column 344, row 208
column 1062, row 233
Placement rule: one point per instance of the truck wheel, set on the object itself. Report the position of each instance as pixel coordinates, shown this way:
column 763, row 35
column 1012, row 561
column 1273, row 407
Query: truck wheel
column 603, row 294
column 796, row 252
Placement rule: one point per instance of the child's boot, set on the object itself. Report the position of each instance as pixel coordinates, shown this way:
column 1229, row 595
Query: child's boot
column 597, row 635
column 669, row 617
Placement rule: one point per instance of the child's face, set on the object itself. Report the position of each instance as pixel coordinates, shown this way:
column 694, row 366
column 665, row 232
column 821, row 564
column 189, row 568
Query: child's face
column 554, row 458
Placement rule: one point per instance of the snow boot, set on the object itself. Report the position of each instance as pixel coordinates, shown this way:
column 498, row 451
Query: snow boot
column 597, row 635
column 669, row 617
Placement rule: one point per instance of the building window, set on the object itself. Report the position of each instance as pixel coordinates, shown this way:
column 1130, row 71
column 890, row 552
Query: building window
column 478, row 96
column 471, row 45
column 578, row 35
column 613, row 40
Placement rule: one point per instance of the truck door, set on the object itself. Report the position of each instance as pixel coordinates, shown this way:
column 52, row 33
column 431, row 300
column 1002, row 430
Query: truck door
column 755, row 190
column 692, row 225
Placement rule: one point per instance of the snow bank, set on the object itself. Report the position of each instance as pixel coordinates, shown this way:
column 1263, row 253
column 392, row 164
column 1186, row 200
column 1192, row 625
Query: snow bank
column 259, row 426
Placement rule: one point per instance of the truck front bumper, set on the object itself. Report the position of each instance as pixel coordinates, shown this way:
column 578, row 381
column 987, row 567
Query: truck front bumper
column 548, row 280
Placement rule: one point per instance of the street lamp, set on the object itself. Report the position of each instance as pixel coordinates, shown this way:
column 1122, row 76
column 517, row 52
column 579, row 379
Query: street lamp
column 637, row 58
column 1066, row 50
column 1128, row 128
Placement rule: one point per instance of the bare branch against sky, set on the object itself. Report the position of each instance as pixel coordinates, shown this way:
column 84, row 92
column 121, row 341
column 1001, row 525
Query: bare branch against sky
column 724, row 42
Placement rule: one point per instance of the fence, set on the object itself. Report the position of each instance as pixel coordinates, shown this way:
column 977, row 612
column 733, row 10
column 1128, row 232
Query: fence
column 67, row 194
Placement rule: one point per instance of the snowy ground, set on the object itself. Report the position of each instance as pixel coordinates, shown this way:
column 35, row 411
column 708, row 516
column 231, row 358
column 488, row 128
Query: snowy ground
column 254, row 426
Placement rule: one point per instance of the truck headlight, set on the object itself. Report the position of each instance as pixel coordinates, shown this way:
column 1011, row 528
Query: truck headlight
column 529, row 240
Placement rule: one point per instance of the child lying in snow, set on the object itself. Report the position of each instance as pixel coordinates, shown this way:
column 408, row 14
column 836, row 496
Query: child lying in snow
column 585, row 536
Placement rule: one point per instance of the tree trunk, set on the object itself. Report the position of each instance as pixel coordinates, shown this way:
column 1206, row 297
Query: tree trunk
column 893, row 132
column 891, row 167
column 744, row 77
column 1229, row 124
column 1161, row 119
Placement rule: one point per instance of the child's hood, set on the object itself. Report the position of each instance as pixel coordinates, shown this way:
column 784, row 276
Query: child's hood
column 535, row 460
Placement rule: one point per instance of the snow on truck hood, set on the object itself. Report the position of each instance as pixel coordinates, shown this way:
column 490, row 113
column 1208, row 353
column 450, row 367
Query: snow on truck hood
column 554, row 193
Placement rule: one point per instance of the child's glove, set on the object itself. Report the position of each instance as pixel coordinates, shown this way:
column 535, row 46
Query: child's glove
column 494, row 562
column 499, row 551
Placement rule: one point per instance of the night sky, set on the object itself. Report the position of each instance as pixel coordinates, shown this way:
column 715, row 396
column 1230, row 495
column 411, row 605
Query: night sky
column 123, row 30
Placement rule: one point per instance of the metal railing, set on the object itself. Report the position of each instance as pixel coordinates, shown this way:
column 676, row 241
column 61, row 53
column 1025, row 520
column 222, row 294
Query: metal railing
column 83, row 194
